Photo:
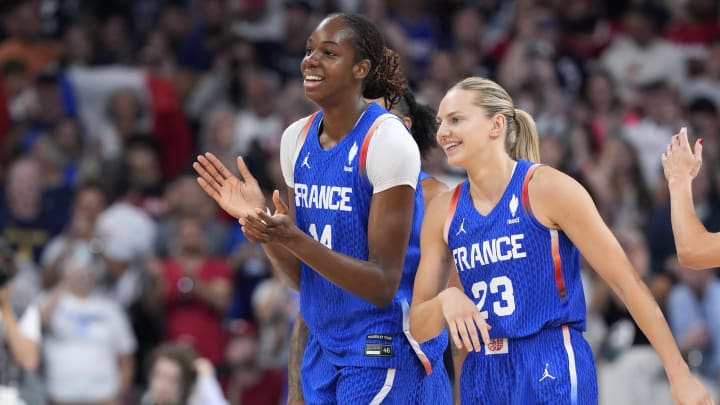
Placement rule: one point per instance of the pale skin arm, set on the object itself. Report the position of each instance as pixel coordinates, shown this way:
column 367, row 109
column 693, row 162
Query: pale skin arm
column 434, row 303
column 25, row 351
column 458, row 355
column 560, row 202
column 696, row 247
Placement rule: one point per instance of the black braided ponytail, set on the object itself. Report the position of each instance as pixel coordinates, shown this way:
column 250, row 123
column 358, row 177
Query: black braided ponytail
column 385, row 79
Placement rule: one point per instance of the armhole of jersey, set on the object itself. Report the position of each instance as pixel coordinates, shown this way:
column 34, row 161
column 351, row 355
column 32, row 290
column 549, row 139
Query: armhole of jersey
column 304, row 132
column 525, row 193
column 451, row 210
column 366, row 142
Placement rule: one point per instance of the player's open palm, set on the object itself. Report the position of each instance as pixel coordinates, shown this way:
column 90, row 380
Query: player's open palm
column 234, row 195
column 463, row 320
column 687, row 390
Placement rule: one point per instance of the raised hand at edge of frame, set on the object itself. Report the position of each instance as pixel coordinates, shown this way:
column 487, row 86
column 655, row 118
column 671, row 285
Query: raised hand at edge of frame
column 679, row 161
column 262, row 227
column 234, row 195
column 463, row 319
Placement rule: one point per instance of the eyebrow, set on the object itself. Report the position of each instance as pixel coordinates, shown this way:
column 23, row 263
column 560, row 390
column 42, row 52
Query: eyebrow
column 326, row 42
column 451, row 113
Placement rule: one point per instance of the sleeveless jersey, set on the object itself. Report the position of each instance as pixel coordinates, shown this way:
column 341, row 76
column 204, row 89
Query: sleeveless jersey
column 523, row 276
column 332, row 204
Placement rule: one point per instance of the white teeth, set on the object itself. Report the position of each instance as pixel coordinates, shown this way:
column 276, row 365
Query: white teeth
column 313, row 78
column 451, row 144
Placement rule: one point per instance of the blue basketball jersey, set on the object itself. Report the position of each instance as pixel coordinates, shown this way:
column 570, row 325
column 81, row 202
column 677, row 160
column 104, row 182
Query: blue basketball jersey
column 523, row 276
column 332, row 204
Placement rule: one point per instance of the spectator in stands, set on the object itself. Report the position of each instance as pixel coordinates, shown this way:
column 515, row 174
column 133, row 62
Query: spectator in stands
column 89, row 346
column 197, row 292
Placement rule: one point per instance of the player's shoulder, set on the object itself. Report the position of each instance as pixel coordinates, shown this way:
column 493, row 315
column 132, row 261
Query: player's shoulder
column 295, row 129
column 439, row 205
column 546, row 180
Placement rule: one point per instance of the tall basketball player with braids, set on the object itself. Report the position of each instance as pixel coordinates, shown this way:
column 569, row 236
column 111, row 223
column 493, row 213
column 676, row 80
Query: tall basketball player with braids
column 352, row 173
column 515, row 231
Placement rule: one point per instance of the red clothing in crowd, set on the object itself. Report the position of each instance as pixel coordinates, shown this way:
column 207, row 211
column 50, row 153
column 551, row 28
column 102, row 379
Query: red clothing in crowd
column 189, row 318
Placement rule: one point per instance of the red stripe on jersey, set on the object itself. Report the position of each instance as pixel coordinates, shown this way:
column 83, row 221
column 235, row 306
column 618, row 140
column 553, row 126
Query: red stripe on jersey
column 452, row 208
column 557, row 263
column 306, row 128
column 525, row 195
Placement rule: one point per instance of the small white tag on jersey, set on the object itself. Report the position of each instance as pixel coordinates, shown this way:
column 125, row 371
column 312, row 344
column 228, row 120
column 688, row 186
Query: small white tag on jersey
column 497, row 346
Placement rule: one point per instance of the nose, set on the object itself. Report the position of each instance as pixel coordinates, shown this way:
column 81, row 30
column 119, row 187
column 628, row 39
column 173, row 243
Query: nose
column 442, row 131
column 309, row 60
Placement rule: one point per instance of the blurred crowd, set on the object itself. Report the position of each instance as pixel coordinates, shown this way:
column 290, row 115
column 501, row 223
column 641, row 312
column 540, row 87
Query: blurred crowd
column 147, row 293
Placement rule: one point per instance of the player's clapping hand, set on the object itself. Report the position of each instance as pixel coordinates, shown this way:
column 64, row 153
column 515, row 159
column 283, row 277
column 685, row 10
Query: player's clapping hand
column 463, row 320
column 687, row 390
column 679, row 161
column 234, row 195
column 262, row 227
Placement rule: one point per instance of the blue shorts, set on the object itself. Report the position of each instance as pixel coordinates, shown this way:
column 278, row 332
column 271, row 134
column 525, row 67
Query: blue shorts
column 326, row 383
column 554, row 366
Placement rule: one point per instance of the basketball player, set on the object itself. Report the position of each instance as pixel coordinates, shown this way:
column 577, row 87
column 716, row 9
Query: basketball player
column 696, row 247
column 352, row 171
column 514, row 231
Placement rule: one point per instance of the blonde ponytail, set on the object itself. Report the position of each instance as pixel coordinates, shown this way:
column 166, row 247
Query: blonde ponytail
column 526, row 144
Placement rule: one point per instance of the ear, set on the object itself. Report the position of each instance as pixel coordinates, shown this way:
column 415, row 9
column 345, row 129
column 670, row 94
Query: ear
column 407, row 121
column 361, row 69
column 497, row 125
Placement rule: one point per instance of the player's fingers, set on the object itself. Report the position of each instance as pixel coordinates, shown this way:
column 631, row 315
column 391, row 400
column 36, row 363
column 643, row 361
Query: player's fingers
column 472, row 332
column 210, row 190
column 244, row 171
column 452, row 329
column 682, row 136
column 463, row 332
column 263, row 215
column 210, row 168
column 280, row 206
column 483, row 327
column 219, row 167
column 698, row 149
column 253, row 236
column 202, row 172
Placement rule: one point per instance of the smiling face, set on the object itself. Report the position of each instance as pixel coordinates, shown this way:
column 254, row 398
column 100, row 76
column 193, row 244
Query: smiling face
column 464, row 129
column 329, row 68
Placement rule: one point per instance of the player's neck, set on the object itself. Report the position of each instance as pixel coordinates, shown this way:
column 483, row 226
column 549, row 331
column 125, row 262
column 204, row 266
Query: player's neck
column 489, row 178
column 340, row 119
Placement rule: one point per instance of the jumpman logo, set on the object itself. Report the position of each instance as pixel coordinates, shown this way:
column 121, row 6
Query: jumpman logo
column 305, row 161
column 546, row 374
column 462, row 228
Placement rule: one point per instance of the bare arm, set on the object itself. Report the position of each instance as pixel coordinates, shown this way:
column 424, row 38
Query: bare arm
column 458, row 355
column 696, row 247
column 25, row 350
column 298, row 341
column 426, row 317
column 560, row 202
column 435, row 304
column 376, row 279
column 285, row 265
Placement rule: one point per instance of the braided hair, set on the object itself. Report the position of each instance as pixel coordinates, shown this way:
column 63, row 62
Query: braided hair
column 385, row 80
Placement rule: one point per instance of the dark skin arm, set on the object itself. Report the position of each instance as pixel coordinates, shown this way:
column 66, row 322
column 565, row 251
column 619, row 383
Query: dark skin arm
column 376, row 279
column 298, row 341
